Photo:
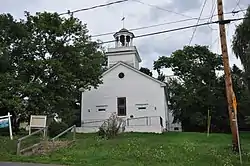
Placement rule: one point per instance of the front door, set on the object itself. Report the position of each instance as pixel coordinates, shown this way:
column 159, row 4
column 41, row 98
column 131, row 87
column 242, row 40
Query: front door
column 121, row 106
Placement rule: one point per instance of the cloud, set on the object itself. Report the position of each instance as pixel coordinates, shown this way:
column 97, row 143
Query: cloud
column 153, row 47
column 181, row 6
column 171, row 9
column 230, row 5
column 108, row 19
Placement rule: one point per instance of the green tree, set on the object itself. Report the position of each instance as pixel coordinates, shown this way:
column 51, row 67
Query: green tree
column 243, row 97
column 146, row 71
column 161, row 76
column 197, row 88
column 241, row 45
column 10, row 34
column 48, row 59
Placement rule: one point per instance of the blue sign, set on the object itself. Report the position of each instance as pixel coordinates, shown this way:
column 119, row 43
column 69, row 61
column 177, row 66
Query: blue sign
column 4, row 123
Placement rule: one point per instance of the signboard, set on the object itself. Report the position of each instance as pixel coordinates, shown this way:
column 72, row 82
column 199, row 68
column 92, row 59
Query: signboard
column 37, row 122
column 5, row 121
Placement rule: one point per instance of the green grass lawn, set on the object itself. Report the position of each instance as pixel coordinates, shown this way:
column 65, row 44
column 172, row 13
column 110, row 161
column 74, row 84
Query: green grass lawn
column 132, row 149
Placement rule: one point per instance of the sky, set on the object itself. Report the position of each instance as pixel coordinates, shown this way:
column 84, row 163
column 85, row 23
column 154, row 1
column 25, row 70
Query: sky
column 140, row 13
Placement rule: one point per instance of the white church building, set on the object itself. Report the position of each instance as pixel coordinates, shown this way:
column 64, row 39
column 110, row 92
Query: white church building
column 138, row 98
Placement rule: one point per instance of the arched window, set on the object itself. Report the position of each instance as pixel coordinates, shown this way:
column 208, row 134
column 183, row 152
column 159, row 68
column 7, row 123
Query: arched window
column 127, row 40
column 122, row 40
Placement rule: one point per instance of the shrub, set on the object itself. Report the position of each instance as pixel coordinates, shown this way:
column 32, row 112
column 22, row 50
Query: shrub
column 112, row 127
column 56, row 128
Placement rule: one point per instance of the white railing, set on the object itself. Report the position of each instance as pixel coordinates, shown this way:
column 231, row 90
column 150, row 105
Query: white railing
column 93, row 122
column 145, row 121
column 138, row 121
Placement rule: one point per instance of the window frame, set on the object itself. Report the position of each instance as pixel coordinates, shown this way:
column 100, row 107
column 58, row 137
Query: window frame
column 121, row 106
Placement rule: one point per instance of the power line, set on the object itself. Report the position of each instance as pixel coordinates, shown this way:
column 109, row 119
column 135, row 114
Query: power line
column 181, row 28
column 145, row 27
column 204, row 4
column 238, row 4
column 166, row 23
column 163, row 9
column 213, row 8
column 212, row 13
column 210, row 19
column 93, row 7
column 237, row 11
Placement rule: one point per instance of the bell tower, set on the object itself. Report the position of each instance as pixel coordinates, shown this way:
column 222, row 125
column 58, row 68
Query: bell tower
column 124, row 50
column 123, row 38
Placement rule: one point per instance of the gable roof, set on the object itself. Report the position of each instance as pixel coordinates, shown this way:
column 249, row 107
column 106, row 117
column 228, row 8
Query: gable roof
column 134, row 69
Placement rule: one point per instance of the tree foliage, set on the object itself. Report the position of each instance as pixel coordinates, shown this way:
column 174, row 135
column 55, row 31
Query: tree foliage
column 44, row 60
column 241, row 45
column 198, row 88
column 146, row 71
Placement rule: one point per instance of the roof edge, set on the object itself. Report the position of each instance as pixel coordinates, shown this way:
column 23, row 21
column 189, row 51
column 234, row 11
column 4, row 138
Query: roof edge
column 136, row 70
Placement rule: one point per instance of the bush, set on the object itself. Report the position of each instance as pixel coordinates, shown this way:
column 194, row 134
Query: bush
column 112, row 127
column 56, row 128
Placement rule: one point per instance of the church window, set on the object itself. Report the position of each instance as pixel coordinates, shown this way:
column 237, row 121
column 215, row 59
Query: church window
column 121, row 106
column 128, row 39
column 101, row 109
column 122, row 40
column 121, row 75
column 141, row 107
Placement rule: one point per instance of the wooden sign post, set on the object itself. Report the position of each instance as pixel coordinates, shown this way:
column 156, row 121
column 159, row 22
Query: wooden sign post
column 5, row 121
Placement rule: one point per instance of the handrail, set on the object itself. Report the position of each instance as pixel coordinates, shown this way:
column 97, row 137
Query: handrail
column 65, row 131
column 27, row 136
column 147, row 118
column 143, row 117
column 93, row 121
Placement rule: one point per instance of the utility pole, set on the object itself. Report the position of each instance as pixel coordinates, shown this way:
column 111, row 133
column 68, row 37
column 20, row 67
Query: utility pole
column 228, row 79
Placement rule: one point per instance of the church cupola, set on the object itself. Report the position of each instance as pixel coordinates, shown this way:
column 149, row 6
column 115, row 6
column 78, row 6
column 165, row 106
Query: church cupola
column 123, row 38
column 124, row 50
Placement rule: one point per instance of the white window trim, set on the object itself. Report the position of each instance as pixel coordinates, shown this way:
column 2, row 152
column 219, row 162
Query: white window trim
column 101, row 107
